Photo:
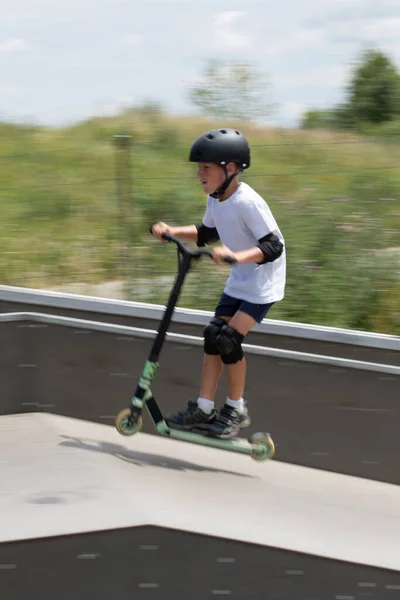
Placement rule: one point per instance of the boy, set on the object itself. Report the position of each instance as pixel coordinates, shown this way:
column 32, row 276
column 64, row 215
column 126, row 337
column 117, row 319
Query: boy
column 243, row 222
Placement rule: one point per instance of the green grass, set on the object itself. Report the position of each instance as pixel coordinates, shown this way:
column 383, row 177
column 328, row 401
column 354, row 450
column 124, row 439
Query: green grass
column 336, row 198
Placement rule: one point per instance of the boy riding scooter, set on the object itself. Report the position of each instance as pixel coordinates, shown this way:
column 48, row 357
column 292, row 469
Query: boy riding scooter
column 240, row 218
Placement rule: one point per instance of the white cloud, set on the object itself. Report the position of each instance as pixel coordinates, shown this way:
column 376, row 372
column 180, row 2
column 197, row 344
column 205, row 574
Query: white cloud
column 345, row 33
column 300, row 45
column 295, row 40
column 30, row 13
column 331, row 12
column 113, row 106
column 12, row 45
column 225, row 19
column 372, row 30
column 290, row 113
column 382, row 28
column 333, row 76
column 392, row 47
column 132, row 39
column 225, row 37
column 8, row 89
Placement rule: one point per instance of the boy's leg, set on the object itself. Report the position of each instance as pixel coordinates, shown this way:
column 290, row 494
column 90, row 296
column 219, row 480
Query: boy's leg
column 236, row 373
column 199, row 414
column 212, row 370
column 233, row 416
column 211, row 373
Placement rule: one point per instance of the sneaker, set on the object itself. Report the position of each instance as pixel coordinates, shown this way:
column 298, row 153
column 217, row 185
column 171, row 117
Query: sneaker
column 191, row 418
column 228, row 422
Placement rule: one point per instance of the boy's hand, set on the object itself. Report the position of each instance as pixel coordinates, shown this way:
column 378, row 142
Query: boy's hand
column 159, row 228
column 221, row 252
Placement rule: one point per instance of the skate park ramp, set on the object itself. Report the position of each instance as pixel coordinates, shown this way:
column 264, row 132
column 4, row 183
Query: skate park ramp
column 323, row 412
column 86, row 513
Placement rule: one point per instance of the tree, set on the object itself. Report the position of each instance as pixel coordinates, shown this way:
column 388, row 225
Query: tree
column 374, row 89
column 338, row 117
column 373, row 96
column 231, row 90
column 318, row 119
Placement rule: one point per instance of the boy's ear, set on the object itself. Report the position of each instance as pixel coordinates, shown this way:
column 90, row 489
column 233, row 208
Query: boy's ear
column 233, row 167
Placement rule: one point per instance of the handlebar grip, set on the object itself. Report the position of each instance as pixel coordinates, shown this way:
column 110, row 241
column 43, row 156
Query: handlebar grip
column 171, row 238
column 230, row 260
column 164, row 235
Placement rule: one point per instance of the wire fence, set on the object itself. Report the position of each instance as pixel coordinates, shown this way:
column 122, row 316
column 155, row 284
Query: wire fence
column 75, row 218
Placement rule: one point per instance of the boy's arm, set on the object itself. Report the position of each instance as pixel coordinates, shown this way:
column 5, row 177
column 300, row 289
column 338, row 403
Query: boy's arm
column 251, row 255
column 187, row 232
column 200, row 234
column 268, row 247
column 206, row 235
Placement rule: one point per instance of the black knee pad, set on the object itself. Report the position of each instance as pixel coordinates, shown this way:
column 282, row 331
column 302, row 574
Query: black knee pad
column 210, row 335
column 229, row 343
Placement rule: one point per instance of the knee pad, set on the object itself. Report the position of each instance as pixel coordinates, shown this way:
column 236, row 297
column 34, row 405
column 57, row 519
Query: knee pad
column 229, row 343
column 210, row 335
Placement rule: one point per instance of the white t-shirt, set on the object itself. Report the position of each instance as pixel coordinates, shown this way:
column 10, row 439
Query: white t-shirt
column 241, row 221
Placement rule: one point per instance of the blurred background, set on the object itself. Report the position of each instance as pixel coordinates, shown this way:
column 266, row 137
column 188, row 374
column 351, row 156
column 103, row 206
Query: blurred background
column 100, row 101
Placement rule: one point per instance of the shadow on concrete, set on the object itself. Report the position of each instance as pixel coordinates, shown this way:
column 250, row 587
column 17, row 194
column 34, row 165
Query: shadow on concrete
column 142, row 459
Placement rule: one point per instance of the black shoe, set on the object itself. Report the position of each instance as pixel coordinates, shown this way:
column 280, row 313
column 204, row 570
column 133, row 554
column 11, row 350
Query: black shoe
column 228, row 422
column 191, row 418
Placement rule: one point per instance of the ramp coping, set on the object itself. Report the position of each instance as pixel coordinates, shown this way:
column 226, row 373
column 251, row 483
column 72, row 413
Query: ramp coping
column 197, row 341
column 194, row 317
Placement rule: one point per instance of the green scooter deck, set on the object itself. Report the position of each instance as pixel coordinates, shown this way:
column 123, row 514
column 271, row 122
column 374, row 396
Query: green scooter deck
column 129, row 421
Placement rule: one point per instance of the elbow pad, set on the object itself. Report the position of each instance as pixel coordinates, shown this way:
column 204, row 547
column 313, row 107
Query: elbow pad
column 271, row 248
column 206, row 235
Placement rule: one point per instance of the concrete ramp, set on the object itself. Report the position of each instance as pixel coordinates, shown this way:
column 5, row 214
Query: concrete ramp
column 61, row 476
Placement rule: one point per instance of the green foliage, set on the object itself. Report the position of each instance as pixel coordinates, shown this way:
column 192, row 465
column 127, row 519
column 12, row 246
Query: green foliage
column 64, row 222
column 231, row 91
column 344, row 277
column 319, row 119
column 389, row 131
column 372, row 97
column 336, row 118
column 46, row 204
column 374, row 89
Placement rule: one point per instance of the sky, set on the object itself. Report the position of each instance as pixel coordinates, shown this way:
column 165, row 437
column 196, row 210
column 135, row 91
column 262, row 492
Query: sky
column 63, row 61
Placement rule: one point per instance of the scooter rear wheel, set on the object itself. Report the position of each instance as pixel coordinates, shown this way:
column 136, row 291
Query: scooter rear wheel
column 128, row 422
column 264, row 446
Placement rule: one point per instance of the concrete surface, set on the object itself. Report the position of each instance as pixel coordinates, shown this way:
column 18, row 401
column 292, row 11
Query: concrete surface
column 63, row 476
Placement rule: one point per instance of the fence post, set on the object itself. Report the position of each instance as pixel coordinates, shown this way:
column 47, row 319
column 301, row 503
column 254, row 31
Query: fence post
column 123, row 180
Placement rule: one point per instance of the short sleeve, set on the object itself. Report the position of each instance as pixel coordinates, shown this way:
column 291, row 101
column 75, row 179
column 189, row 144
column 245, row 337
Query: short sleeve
column 208, row 220
column 258, row 219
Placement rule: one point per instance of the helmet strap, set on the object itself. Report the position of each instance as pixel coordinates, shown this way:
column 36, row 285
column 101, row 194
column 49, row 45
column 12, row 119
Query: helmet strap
column 228, row 180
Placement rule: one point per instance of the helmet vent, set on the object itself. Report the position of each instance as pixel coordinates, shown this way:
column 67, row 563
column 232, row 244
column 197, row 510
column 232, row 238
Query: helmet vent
column 210, row 136
column 223, row 131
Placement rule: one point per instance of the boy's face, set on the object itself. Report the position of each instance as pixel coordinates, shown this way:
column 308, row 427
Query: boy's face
column 211, row 176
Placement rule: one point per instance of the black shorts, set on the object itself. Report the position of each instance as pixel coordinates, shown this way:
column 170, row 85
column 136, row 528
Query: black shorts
column 228, row 306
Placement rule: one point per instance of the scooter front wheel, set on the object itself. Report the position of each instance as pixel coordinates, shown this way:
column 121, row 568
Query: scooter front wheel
column 264, row 447
column 128, row 422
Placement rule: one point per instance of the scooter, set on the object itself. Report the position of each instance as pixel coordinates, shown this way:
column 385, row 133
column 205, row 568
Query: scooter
column 129, row 421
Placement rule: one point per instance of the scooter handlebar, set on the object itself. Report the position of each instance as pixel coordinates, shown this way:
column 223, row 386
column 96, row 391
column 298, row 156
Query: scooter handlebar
column 228, row 259
column 171, row 238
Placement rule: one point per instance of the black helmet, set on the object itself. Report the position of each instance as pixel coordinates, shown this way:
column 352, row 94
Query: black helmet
column 221, row 146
